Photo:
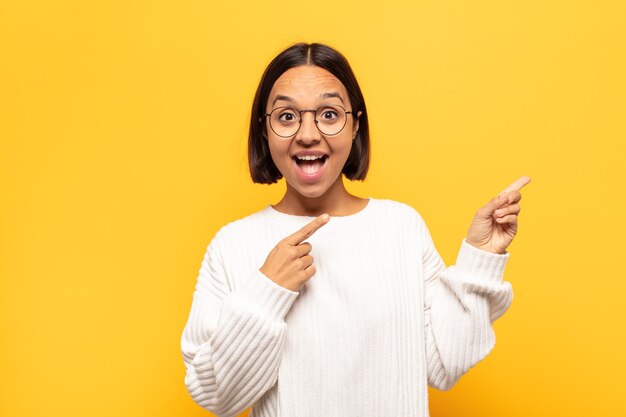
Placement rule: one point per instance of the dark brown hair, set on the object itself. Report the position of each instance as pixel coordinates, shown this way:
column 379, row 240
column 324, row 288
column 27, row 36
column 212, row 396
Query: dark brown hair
column 262, row 167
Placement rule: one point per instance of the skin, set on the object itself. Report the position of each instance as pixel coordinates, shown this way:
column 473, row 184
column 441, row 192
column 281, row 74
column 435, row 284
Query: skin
column 290, row 264
column 495, row 224
column 305, row 85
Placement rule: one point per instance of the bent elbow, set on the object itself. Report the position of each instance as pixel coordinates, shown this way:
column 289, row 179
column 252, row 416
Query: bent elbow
column 203, row 389
column 208, row 394
column 205, row 394
column 442, row 381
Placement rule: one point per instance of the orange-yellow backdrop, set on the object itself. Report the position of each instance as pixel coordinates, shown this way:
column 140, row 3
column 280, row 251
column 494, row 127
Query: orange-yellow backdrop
column 122, row 151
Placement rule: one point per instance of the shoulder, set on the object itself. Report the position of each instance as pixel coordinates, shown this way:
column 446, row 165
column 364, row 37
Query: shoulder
column 243, row 229
column 393, row 210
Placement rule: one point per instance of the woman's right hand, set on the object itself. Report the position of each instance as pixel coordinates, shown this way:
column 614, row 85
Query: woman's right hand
column 289, row 263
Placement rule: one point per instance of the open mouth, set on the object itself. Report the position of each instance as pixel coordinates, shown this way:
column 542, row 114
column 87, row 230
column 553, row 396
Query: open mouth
column 310, row 164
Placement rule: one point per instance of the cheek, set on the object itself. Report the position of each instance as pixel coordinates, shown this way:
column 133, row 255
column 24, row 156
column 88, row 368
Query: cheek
column 279, row 151
column 344, row 151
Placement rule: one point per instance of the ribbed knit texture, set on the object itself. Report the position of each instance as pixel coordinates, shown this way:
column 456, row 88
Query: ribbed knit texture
column 382, row 318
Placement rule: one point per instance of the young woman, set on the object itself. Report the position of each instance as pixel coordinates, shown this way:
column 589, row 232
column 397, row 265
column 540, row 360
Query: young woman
column 329, row 304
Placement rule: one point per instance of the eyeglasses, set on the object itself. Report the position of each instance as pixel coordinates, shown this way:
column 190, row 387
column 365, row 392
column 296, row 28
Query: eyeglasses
column 329, row 119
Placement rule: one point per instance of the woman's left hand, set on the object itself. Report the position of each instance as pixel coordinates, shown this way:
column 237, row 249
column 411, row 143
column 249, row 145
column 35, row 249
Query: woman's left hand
column 495, row 224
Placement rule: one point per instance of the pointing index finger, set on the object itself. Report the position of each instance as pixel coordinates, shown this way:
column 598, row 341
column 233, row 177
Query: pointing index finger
column 308, row 230
column 517, row 185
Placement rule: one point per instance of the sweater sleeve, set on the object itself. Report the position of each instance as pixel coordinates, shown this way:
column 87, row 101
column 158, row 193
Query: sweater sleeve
column 460, row 303
column 233, row 339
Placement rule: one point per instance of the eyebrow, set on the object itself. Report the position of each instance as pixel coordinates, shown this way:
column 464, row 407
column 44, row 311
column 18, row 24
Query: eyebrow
column 284, row 98
column 333, row 94
column 325, row 95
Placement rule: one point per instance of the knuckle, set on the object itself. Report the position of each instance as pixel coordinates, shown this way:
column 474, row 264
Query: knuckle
column 306, row 261
column 303, row 276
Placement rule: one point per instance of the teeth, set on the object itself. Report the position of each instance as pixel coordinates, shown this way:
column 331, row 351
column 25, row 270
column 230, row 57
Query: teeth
column 309, row 157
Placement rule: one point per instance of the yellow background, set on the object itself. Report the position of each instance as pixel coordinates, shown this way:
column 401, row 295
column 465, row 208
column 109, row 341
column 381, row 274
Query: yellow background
column 122, row 151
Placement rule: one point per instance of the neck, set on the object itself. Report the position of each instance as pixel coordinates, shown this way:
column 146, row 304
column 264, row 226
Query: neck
column 336, row 201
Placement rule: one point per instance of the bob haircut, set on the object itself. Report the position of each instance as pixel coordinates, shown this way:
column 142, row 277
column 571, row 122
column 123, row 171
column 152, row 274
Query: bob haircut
column 262, row 167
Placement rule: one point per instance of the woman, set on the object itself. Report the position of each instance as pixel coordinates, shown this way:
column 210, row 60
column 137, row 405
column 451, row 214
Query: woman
column 328, row 304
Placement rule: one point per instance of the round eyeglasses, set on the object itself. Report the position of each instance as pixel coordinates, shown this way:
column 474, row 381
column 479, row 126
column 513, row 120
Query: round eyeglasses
column 329, row 119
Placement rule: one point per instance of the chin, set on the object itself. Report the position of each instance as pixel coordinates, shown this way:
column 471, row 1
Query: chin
column 311, row 191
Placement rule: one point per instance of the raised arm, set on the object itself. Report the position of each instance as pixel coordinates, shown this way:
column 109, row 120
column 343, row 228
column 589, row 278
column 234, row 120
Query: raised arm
column 462, row 301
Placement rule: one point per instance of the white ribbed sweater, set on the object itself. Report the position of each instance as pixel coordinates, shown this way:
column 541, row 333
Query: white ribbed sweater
column 380, row 319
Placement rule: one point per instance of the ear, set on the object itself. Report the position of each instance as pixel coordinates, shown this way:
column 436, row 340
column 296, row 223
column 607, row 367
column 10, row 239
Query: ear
column 263, row 131
column 355, row 125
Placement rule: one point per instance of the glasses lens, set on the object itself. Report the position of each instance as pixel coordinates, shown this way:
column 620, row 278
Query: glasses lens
column 284, row 121
column 330, row 119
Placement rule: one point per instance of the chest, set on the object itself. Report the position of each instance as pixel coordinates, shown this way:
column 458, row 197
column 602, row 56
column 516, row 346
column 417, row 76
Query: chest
column 363, row 286
column 368, row 276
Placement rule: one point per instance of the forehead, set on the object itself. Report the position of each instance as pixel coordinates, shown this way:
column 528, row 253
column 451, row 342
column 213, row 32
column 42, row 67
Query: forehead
column 307, row 84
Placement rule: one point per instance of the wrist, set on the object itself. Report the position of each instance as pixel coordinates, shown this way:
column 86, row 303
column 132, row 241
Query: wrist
column 487, row 248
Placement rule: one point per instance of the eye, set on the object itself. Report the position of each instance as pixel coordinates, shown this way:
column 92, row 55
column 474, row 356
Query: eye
column 329, row 114
column 286, row 116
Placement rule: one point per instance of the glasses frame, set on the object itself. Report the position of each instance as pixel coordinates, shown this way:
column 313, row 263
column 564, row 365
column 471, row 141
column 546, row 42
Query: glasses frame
column 314, row 118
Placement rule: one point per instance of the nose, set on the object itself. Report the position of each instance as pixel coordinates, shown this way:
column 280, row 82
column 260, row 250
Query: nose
column 308, row 132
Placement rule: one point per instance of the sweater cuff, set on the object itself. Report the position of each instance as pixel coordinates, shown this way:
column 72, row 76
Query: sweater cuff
column 266, row 297
column 480, row 265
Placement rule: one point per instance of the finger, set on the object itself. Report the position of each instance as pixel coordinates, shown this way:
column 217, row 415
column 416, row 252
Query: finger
column 308, row 230
column 517, row 185
column 306, row 261
column 510, row 219
column 513, row 197
column 512, row 209
column 303, row 249
column 309, row 271
column 508, row 196
column 495, row 203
